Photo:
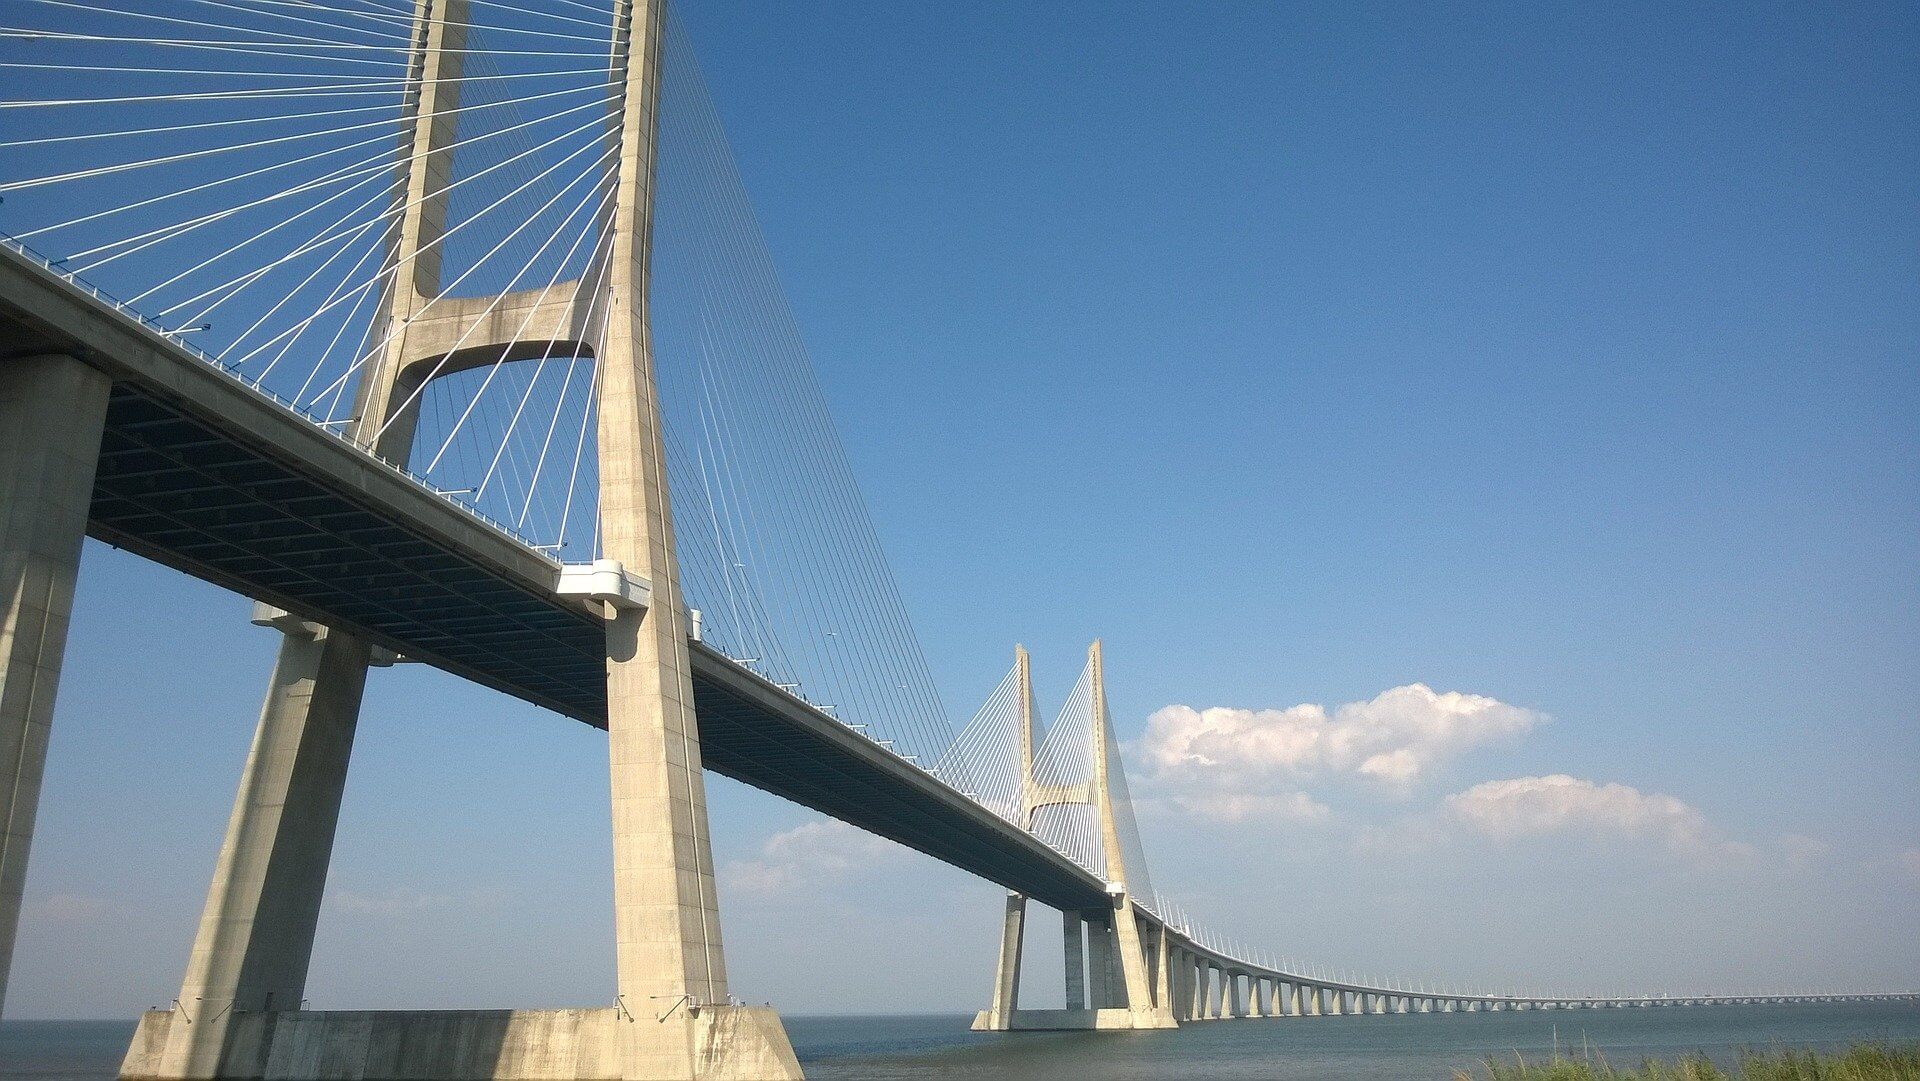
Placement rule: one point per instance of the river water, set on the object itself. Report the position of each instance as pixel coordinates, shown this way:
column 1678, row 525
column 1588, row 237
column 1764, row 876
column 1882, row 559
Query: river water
column 1320, row 1049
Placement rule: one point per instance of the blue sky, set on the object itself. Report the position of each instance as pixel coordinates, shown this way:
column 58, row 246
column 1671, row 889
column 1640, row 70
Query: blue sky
column 1562, row 357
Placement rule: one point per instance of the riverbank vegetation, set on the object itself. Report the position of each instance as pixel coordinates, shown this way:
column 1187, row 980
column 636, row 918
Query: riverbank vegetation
column 1863, row 1062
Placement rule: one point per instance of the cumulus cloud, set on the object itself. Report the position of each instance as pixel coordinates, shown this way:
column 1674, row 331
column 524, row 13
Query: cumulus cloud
column 809, row 852
column 1396, row 738
column 1556, row 805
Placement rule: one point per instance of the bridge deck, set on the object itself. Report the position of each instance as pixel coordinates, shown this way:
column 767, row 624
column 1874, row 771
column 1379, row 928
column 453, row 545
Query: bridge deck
column 203, row 473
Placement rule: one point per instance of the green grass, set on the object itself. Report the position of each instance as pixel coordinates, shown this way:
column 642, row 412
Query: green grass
column 1865, row 1062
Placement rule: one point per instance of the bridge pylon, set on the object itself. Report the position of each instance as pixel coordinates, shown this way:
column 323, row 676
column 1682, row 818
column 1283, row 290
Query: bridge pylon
column 1116, row 964
column 239, row 1013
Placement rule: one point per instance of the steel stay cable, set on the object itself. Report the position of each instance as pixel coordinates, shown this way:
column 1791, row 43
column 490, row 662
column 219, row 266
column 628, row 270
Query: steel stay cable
column 455, row 284
column 365, row 175
column 546, row 354
column 442, row 238
column 888, row 609
column 219, row 45
column 288, row 295
column 190, row 155
column 355, row 80
column 277, row 37
column 253, row 48
column 384, row 107
column 348, row 320
column 260, row 7
column 411, row 22
column 527, row 320
column 232, row 286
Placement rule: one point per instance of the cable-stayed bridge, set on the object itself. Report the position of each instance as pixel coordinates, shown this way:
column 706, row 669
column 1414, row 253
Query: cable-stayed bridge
column 444, row 330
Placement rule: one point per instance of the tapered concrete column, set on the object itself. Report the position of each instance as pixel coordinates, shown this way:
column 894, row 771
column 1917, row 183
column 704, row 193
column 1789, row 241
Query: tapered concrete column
column 1197, row 979
column 666, row 913
column 1076, row 965
column 666, row 910
column 1217, row 994
column 1261, row 998
column 52, row 411
column 1099, row 961
column 255, row 939
column 1293, row 1000
column 1131, row 977
column 1006, row 984
column 1311, row 997
column 1163, row 972
column 1168, row 990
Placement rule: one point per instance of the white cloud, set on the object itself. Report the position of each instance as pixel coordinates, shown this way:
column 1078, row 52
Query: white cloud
column 806, row 853
column 1396, row 738
column 1542, row 806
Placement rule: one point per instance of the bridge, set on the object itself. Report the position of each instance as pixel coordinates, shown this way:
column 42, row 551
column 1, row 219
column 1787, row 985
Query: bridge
column 442, row 330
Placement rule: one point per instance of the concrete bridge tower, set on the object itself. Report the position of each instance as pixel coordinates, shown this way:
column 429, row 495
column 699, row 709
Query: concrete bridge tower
column 239, row 1013
column 1112, row 982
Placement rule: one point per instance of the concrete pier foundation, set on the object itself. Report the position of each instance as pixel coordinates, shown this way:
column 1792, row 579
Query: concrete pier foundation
column 52, row 411
column 721, row 1042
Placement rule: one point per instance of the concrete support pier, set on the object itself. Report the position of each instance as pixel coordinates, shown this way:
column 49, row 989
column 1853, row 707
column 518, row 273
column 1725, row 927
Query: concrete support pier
column 52, row 411
column 256, row 932
column 1006, row 983
column 1072, row 939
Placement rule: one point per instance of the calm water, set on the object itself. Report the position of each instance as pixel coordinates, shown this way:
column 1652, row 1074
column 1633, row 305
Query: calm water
column 1322, row 1049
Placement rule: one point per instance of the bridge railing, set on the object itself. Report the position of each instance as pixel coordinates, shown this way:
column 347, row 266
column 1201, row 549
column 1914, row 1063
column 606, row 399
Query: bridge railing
column 125, row 310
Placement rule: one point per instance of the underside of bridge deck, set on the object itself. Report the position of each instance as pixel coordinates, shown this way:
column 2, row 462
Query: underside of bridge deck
column 204, row 474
